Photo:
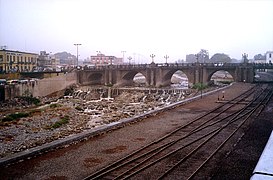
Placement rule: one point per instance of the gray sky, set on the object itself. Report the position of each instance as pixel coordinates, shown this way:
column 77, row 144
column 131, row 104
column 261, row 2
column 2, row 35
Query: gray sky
column 140, row 27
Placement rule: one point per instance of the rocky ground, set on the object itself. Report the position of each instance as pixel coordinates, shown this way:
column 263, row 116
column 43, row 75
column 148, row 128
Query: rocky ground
column 81, row 110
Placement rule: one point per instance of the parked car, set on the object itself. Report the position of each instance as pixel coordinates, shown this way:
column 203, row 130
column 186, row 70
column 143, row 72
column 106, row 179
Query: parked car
column 13, row 81
column 3, row 81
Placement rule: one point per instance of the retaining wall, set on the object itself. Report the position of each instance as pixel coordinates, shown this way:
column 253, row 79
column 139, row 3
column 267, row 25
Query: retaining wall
column 48, row 86
column 41, row 87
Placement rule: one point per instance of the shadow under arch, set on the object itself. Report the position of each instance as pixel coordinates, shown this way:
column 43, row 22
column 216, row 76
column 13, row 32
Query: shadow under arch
column 95, row 79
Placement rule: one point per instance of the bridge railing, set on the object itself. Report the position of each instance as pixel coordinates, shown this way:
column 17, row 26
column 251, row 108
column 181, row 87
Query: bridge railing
column 263, row 65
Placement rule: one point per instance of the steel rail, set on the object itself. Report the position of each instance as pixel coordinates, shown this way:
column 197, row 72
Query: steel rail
column 117, row 163
column 266, row 99
column 165, row 146
column 213, row 132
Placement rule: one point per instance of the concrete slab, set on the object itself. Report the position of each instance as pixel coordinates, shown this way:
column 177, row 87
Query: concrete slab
column 264, row 167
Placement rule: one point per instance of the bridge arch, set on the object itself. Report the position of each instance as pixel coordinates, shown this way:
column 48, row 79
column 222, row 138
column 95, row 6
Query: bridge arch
column 139, row 79
column 180, row 79
column 95, row 79
column 128, row 78
column 223, row 74
column 166, row 78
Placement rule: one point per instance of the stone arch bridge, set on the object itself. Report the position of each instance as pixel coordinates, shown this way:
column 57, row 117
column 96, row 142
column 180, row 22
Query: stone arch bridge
column 158, row 75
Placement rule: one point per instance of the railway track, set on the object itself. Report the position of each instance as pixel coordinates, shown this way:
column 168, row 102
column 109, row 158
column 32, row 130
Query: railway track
column 185, row 152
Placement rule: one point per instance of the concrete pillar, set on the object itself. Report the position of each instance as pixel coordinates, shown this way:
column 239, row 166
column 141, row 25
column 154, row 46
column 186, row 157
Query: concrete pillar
column 110, row 77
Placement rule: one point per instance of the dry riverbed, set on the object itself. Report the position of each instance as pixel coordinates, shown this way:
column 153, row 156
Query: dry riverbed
column 60, row 117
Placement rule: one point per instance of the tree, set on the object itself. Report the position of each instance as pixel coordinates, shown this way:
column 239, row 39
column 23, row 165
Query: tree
column 233, row 60
column 220, row 58
column 259, row 57
column 203, row 56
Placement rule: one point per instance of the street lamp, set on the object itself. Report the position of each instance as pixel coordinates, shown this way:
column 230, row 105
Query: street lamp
column 130, row 58
column 152, row 56
column 166, row 57
column 245, row 56
column 197, row 57
column 77, row 53
column 123, row 52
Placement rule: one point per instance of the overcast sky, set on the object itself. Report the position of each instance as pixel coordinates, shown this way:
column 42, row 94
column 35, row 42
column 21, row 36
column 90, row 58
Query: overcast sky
column 139, row 27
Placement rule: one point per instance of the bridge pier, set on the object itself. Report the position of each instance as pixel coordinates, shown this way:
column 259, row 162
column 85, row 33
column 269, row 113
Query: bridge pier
column 244, row 74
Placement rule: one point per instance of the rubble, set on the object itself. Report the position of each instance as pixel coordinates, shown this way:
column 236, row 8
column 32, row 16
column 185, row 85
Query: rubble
column 85, row 109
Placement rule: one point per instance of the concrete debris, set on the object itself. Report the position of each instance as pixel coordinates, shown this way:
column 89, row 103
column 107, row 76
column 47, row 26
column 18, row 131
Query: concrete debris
column 80, row 110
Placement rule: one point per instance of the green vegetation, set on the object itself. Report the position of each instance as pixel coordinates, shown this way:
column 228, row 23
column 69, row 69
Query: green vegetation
column 69, row 90
column 55, row 105
column 79, row 108
column 15, row 116
column 199, row 86
column 63, row 120
column 31, row 100
column 36, row 111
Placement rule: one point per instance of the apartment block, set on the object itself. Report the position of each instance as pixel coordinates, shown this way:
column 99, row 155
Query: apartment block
column 17, row 61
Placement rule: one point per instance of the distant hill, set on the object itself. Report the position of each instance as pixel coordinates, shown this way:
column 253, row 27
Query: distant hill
column 65, row 57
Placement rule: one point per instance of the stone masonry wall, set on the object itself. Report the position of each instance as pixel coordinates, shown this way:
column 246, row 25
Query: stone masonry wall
column 41, row 87
column 48, row 86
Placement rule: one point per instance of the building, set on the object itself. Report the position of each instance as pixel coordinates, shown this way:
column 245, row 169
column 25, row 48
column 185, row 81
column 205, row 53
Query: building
column 266, row 58
column 269, row 56
column 43, row 59
column 47, row 62
column 101, row 59
column 17, row 61
column 191, row 58
column 259, row 59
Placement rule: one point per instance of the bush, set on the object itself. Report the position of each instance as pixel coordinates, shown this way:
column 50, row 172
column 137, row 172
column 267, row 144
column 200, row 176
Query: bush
column 59, row 123
column 54, row 105
column 7, row 119
column 199, row 86
column 31, row 100
column 14, row 116
column 68, row 91
column 79, row 108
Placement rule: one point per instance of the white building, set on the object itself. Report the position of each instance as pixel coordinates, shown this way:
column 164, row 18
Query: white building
column 269, row 56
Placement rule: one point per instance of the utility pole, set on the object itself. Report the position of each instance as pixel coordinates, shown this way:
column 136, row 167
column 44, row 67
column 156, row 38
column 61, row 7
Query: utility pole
column 100, row 56
column 77, row 53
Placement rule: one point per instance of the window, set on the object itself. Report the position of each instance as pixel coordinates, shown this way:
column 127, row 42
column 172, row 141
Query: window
column 8, row 58
column 1, row 57
column 269, row 55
